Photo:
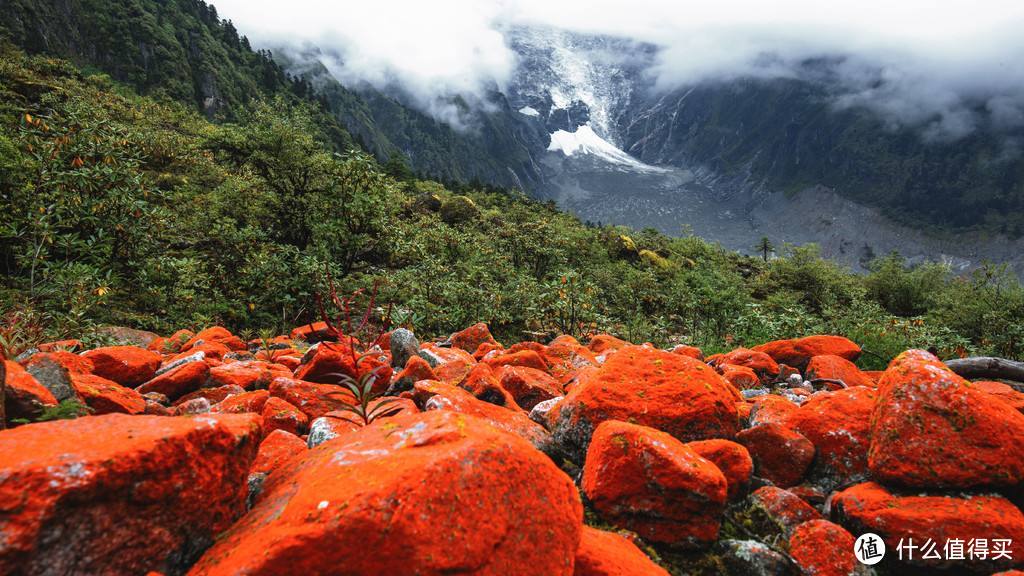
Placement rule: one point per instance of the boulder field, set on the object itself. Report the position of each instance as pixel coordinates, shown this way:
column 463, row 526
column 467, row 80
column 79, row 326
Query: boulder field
column 314, row 453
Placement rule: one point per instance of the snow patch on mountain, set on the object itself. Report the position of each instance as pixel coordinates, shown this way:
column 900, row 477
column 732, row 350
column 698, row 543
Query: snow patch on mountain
column 585, row 141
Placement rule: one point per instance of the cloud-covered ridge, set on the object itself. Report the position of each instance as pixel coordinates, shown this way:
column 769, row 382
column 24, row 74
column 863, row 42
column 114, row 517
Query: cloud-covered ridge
column 945, row 66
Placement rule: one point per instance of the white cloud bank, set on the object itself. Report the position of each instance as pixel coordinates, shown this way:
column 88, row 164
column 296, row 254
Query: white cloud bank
column 943, row 65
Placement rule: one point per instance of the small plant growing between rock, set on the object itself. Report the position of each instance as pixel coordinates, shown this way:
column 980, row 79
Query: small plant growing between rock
column 362, row 392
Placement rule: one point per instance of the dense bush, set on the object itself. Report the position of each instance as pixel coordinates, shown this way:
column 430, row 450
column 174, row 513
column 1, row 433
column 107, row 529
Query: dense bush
column 122, row 210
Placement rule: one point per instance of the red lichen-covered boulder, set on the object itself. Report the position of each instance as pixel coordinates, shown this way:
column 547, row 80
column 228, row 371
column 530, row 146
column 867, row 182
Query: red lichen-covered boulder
column 69, row 345
column 120, row 494
column 178, row 381
column 433, row 395
column 651, row 387
column 606, row 343
column 244, row 403
column 482, row 383
column 781, row 509
column 771, row 408
column 822, row 548
column 1004, row 392
column 314, row 400
column 213, row 395
column 326, row 362
column 126, row 365
column 603, row 553
column 691, row 351
column 451, row 365
column 780, row 454
column 528, row 386
column 931, row 429
column 731, row 458
column 839, row 425
column 646, row 481
column 277, row 447
column 870, row 507
column 25, row 397
column 471, row 338
column 369, row 502
column 278, row 414
column 487, row 350
column 213, row 353
column 416, row 369
column 742, row 377
column 217, row 334
column 762, row 364
column 832, row 367
column 799, row 352
column 314, row 332
column 525, row 358
column 248, row 375
column 566, row 357
column 104, row 396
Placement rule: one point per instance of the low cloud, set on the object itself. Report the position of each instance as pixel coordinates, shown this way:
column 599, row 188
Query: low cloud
column 946, row 67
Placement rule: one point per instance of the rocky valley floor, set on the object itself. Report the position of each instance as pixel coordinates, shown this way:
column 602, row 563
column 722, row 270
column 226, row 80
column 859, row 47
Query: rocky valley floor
column 318, row 453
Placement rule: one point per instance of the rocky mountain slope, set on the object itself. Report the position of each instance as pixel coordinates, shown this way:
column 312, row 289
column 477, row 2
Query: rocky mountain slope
column 204, row 454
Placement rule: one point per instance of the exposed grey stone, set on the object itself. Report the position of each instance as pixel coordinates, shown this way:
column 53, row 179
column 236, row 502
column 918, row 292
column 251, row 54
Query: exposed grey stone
column 404, row 345
column 197, row 357
column 53, row 377
column 320, row 431
column 752, row 558
column 539, row 413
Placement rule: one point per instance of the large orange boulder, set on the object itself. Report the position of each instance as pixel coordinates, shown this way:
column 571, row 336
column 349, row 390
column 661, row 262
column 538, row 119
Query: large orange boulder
column 606, row 343
column 931, row 429
column 25, row 396
column 870, row 507
column 604, row 553
column 120, row 494
column 771, row 408
column 178, row 381
column 798, row 352
column 643, row 385
column 832, row 367
column 369, row 502
column 646, row 481
column 839, row 425
column 482, row 383
column 126, row 365
column 822, row 548
column 451, row 365
column 106, row 396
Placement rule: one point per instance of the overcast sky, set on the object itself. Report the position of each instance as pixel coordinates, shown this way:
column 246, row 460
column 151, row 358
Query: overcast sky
column 937, row 60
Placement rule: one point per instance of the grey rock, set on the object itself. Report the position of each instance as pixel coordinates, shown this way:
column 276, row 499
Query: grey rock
column 195, row 406
column 752, row 558
column 753, row 393
column 197, row 357
column 53, row 377
column 433, row 359
column 795, row 380
column 539, row 413
column 404, row 345
column 320, row 431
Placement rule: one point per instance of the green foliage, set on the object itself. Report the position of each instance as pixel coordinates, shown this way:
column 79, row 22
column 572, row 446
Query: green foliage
column 133, row 212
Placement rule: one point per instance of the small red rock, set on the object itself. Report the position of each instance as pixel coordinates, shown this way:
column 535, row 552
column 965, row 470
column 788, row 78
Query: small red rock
column 107, row 397
column 821, row 548
column 314, row 400
column 179, row 381
column 780, row 454
column 278, row 414
column 471, row 338
column 731, row 458
column 604, row 553
column 25, row 396
column 837, row 368
column 244, row 403
column 528, row 386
